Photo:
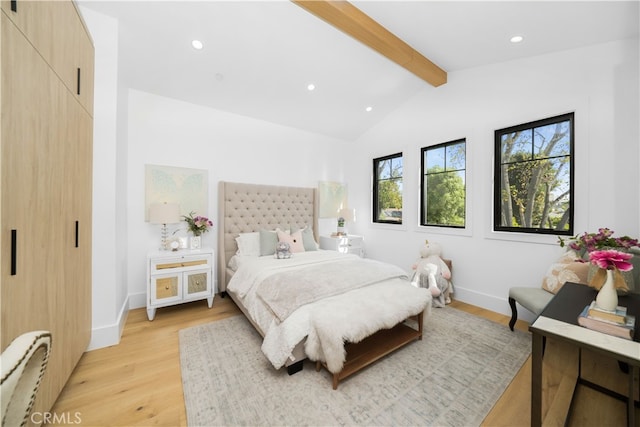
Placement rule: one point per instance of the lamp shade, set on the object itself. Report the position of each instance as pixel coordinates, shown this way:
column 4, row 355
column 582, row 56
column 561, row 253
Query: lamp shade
column 347, row 214
column 164, row 213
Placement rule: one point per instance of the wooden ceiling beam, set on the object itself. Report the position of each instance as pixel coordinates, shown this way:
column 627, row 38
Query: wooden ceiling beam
column 351, row 20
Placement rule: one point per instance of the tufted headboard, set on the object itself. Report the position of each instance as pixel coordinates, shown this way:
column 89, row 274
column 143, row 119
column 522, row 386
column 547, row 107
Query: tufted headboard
column 245, row 208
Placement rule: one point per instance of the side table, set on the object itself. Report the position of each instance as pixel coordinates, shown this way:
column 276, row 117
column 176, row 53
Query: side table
column 559, row 320
column 178, row 277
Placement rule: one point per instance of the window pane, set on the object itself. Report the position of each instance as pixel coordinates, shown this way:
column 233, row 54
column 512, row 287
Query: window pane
column 516, row 146
column 443, row 195
column 552, row 140
column 384, row 169
column 387, row 201
column 456, row 156
column 396, row 167
column 434, row 158
column 535, row 194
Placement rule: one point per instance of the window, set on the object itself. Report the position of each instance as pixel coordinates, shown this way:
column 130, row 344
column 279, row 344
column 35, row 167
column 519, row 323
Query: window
column 387, row 189
column 443, row 194
column 533, row 185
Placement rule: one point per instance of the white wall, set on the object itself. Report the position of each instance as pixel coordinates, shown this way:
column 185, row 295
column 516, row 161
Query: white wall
column 109, row 294
column 600, row 84
column 230, row 147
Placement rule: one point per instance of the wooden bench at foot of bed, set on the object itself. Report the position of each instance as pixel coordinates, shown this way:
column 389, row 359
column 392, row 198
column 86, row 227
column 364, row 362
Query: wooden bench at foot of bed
column 376, row 346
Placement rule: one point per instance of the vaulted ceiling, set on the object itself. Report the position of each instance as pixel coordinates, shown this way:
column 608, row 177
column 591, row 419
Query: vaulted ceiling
column 259, row 57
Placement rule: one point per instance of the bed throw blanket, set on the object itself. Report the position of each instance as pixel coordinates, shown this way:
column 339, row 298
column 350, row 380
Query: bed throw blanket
column 286, row 291
column 359, row 314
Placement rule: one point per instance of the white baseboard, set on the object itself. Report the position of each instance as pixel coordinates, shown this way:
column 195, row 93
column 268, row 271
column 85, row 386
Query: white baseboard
column 109, row 335
column 138, row 300
column 491, row 302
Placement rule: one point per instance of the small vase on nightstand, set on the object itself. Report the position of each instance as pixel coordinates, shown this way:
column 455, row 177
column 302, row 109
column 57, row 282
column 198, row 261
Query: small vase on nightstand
column 195, row 242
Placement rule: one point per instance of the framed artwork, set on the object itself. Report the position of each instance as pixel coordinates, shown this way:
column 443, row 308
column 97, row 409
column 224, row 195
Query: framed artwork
column 332, row 197
column 185, row 186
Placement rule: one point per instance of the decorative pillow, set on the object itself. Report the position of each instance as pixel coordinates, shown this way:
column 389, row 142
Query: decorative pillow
column 568, row 268
column 268, row 241
column 308, row 240
column 248, row 244
column 294, row 240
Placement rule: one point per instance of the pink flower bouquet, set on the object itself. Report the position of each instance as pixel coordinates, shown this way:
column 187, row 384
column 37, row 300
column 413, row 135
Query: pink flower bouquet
column 610, row 259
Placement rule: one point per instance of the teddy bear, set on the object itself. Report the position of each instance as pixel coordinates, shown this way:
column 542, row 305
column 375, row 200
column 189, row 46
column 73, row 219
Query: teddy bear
column 283, row 250
column 426, row 274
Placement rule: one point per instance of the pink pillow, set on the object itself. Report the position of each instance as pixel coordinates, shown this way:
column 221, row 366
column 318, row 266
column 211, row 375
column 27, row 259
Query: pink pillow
column 294, row 240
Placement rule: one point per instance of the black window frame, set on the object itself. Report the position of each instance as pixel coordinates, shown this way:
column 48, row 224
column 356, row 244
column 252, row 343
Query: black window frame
column 375, row 202
column 497, row 182
column 424, row 173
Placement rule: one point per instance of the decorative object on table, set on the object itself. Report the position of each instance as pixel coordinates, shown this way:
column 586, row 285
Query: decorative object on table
column 164, row 213
column 609, row 262
column 603, row 239
column 197, row 225
column 623, row 330
column 283, row 250
column 619, row 315
column 430, row 253
column 585, row 243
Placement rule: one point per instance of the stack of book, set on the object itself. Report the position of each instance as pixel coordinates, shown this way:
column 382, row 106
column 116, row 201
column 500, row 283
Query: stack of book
column 617, row 323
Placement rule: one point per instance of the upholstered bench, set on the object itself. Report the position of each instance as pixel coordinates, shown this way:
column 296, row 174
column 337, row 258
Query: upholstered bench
column 565, row 269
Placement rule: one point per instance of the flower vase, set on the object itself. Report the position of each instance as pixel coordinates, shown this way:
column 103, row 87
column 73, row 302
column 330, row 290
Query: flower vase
column 194, row 242
column 607, row 298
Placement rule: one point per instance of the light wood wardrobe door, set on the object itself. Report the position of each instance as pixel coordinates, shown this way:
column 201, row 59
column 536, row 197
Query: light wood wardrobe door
column 31, row 97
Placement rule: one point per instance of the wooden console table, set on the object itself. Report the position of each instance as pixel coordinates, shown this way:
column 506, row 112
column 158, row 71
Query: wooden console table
column 559, row 320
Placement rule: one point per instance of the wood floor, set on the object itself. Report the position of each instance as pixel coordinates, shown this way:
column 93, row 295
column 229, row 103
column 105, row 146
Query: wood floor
column 138, row 382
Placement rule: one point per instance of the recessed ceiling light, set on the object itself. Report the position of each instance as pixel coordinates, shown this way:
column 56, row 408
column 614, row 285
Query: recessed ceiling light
column 516, row 39
column 311, row 86
column 369, row 108
column 197, row 44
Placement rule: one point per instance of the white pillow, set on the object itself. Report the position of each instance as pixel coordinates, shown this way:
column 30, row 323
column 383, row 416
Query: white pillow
column 248, row 244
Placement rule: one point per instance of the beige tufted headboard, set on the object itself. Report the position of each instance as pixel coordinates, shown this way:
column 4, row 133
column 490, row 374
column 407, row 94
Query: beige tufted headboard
column 244, row 208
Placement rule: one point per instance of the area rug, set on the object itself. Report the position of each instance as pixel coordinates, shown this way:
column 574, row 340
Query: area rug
column 452, row 377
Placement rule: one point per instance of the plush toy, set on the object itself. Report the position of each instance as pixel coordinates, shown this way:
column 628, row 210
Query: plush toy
column 426, row 274
column 283, row 250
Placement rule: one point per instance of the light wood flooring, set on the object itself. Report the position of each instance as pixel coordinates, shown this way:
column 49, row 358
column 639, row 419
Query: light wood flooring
column 138, row 382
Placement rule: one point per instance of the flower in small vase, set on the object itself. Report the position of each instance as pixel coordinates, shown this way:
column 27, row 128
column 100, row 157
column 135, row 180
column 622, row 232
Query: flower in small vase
column 589, row 242
column 197, row 224
column 611, row 260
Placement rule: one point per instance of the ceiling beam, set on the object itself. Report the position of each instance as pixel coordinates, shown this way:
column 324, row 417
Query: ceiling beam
column 351, row 20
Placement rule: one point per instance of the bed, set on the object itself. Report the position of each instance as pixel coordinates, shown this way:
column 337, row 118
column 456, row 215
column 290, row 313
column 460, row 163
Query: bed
column 340, row 310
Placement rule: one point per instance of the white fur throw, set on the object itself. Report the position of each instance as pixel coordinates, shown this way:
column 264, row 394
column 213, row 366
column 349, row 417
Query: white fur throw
column 357, row 315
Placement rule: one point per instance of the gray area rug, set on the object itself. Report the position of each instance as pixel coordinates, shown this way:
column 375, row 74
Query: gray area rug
column 453, row 377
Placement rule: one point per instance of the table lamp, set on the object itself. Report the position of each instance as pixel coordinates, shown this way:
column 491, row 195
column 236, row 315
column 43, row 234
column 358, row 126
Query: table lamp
column 164, row 213
column 345, row 215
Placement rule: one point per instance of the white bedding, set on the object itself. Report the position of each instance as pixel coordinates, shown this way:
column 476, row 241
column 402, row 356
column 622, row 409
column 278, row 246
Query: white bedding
column 280, row 337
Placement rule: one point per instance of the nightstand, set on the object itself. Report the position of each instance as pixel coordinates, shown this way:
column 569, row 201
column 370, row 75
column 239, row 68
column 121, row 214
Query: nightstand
column 177, row 277
column 350, row 244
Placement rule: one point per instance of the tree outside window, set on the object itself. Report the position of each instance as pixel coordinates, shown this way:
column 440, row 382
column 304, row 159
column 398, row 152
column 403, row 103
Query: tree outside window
column 387, row 189
column 533, row 186
column 443, row 194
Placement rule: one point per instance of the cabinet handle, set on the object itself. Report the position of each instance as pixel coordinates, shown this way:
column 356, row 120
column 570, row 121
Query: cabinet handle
column 77, row 233
column 14, row 5
column 14, row 252
column 78, row 80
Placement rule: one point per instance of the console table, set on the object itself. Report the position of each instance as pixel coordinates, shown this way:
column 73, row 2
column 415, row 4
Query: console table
column 559, row 320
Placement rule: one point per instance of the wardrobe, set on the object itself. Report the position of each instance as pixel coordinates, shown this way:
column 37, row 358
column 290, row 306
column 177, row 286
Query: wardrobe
column 46, row 157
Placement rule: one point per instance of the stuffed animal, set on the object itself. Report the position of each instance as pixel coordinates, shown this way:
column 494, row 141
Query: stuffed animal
column 430, row 256
column 283, row 250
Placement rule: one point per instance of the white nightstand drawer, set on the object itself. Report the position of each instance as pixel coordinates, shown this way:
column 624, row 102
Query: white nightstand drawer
column 350, row 244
